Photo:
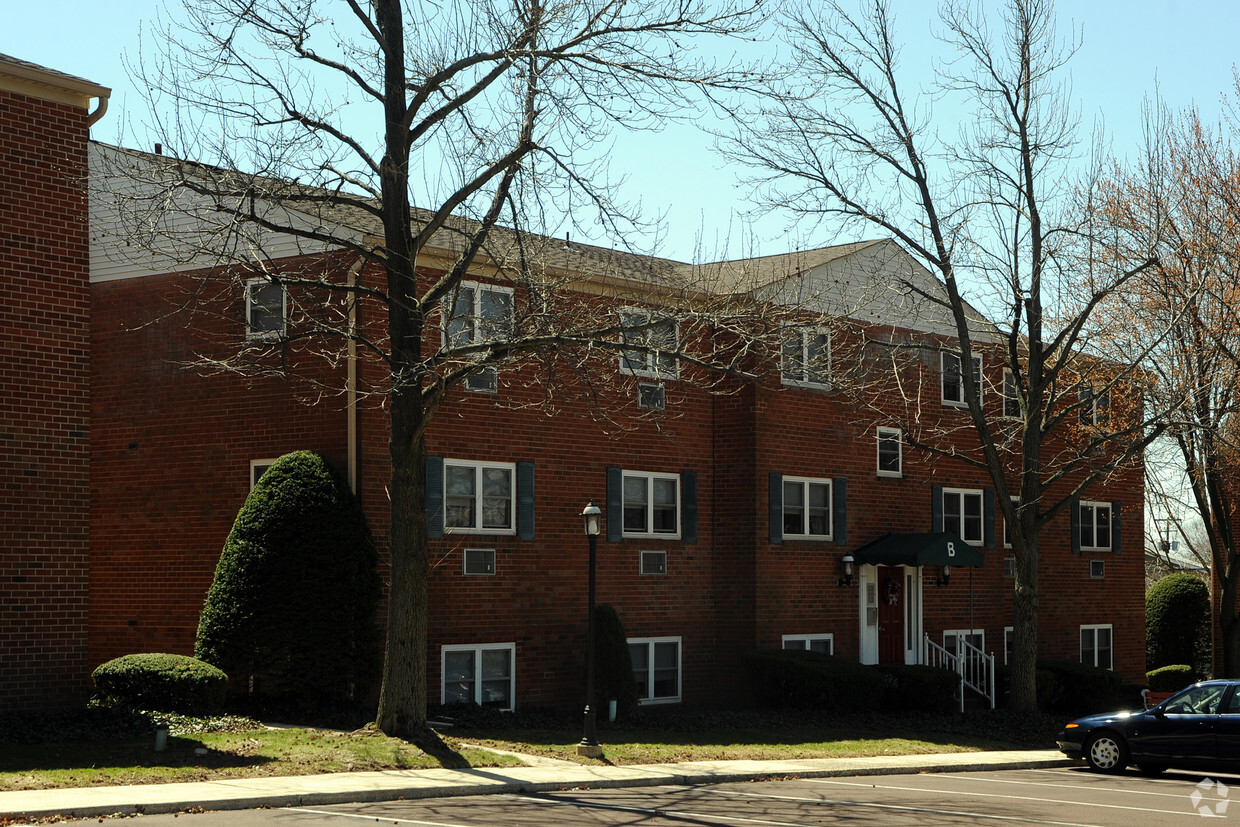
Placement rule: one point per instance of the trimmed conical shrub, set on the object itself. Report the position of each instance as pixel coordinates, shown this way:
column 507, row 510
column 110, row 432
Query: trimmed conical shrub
column 296, row 590
column 1177, row 622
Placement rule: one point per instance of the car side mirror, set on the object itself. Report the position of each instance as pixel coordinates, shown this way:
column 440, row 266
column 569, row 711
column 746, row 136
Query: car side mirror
column 1159, row 712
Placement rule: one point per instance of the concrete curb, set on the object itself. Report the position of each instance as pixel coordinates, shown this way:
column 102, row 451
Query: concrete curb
column 344, row 788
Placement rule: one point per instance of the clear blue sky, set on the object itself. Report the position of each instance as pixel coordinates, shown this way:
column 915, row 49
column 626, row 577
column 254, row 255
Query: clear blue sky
column 1189, row 46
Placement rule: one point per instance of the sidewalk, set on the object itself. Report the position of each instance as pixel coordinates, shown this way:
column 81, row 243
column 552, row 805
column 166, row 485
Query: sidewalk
column 340, row 788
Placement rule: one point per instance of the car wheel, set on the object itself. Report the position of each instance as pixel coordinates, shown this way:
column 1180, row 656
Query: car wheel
column 1106, row 752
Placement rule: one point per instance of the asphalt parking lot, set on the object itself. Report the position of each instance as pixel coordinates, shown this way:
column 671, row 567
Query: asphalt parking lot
column 1063, row 796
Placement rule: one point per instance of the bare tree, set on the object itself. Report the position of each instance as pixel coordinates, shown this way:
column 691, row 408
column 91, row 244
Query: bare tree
column 991, row 210
column 1185, row 196
column 330, row 122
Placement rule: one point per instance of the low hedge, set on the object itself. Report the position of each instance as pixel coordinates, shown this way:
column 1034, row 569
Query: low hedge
column 1171, row 678
column 804, row 679
column 1078, row 687
column 919, row 688
column 162, row 682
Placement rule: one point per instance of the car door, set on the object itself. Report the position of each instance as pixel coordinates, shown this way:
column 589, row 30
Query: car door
column 1183, row 729
column 1227, row 730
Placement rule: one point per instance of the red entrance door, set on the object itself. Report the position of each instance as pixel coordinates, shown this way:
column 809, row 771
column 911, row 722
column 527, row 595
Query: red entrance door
column 891, row 599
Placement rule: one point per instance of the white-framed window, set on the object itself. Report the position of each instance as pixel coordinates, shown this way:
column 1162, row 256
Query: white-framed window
column 1096, row 646
column 658, row 339
column 807, row 508
column 814, row 643
column 476, row 314
column 258, row 467
column 805, row 357
column 265, row 306
column 1009, row 644
column 1095, row 406
column 953, row 381
column 890, row 452
column 962, row 514
column 1095, row 526
column 656, row 668
column 652, row 562
column 479, row 561
column 952, row 638
column 651, row 397
column 1011, row 395
column 651, row 505
column 482, row 674
column 479, row 497
column 1007, row 532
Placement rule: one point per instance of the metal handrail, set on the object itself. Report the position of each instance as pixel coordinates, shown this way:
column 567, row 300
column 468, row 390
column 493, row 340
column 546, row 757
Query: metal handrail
column 975, row 668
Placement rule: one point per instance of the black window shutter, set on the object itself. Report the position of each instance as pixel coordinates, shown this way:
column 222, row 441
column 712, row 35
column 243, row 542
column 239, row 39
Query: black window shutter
column 434, row 497
column 776, row 507
column 688, row 507
column 988, row 515
column 615, row 505
column 1115, row 527
column 936, row 509
column 1076, row 526
column 839, row 510
column 525, row 500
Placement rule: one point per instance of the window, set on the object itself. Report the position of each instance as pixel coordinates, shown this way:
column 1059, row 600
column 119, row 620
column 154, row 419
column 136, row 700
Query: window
column 656, row 668
column 807, row 508
column 480, row 675
column 814, row 643
column 962, row 514
column 658, row 341
column 264, row 309
column 1009, row 567
column 1097, row 569
column 1009, row 644
column 1096, row 646
column 1095, row 526
column 953, row 382
column 890, row 452
column 480, row 561
column 1198, row 700
column 1011, row 395
column 651, row 397
column 479, row 314
column 1095, row 407
column 653, row 562
column 479, row 497
column 651, row 505
column 952, row 638
column 805, row 358
column 258, row 467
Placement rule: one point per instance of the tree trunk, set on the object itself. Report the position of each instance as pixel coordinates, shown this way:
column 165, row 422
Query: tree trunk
column 1023, row 693
column 1228, row 622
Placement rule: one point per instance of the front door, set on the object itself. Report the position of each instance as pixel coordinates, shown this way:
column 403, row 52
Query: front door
column 891, row 599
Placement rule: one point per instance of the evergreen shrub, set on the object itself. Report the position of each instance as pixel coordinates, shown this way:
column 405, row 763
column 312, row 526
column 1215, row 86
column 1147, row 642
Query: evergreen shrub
column 162, row 683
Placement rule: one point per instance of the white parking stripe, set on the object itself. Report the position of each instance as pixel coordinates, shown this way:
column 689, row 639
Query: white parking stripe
column 715, row 818
column 1178, row 793
column 1029, row 798
column 371, row 817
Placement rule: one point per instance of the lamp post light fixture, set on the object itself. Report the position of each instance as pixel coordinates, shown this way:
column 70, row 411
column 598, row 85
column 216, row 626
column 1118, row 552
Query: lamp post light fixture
column 847, row 579
column 589, row 745
column 946, row 578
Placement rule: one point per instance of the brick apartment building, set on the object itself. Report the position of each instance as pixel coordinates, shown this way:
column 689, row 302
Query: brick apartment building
column 729, row 506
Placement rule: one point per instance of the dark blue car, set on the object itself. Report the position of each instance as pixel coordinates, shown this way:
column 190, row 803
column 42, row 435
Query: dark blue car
column 1197, row 728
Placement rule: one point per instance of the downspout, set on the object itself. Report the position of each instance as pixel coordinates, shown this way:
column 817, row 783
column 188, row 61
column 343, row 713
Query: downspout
column 351, row 376
column 100, row 110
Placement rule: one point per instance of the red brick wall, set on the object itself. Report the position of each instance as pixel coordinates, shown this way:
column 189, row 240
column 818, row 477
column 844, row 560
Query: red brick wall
column 44, row 403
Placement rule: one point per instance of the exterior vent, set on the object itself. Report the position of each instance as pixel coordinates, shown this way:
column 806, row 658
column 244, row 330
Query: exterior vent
column 654, row 562
column 651, row 397
column 1097, row 569
column 480, row 561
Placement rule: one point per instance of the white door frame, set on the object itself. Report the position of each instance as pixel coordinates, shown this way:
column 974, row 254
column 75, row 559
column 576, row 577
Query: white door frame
column 867, row 614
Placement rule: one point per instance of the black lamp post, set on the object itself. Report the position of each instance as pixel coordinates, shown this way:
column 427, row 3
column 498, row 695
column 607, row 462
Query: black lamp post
column 589, row 745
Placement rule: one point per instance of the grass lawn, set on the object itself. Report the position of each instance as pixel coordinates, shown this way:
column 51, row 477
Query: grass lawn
column 90, row 754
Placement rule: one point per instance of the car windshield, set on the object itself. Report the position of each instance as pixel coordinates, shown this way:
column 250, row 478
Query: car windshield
column 1200, row 700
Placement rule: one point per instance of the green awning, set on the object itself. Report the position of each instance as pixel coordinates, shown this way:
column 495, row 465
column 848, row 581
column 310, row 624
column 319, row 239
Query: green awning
column 931, row 549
